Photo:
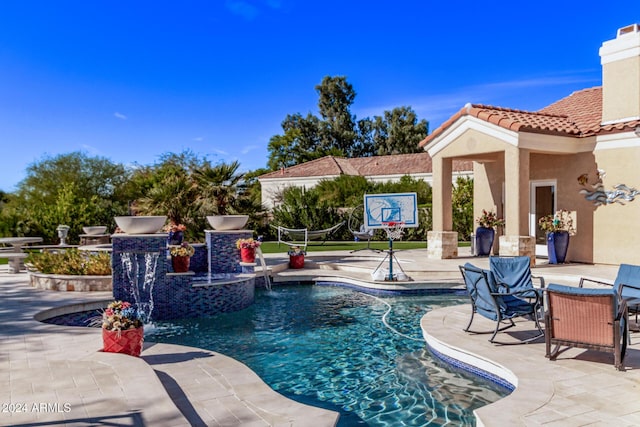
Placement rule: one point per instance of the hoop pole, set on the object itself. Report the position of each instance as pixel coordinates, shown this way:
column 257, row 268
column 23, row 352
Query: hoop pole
column 390, row 278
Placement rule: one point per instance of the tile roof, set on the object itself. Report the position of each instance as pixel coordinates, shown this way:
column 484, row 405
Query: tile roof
column 578, row 115
column 364, row 166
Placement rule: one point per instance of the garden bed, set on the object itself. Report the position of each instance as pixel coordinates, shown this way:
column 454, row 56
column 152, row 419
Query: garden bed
column 70, row 283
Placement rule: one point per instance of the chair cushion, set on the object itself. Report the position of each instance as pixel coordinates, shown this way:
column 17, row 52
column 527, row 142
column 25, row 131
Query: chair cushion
column 573, row 290
column 514, row 273
column 629, row 276
column 481, row 289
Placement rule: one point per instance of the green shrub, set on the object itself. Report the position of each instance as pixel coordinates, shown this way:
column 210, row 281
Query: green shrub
column 71, row 262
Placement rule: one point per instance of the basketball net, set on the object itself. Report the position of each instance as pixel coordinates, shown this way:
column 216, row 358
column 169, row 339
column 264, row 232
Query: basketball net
column 394, row 229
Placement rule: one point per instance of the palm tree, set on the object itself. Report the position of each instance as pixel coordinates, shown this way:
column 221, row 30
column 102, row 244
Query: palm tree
column 218, row 188
column 174, row 195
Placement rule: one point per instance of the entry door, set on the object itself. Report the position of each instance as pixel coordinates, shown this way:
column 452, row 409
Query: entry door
column 543, row 202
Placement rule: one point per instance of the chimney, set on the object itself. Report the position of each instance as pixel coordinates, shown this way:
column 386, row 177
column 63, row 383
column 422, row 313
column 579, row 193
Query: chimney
column 620, row 59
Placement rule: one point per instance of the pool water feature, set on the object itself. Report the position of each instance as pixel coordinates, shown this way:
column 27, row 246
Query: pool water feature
column 344, row 350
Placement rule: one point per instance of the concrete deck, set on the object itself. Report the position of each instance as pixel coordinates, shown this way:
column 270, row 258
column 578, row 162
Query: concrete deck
column 55, row 375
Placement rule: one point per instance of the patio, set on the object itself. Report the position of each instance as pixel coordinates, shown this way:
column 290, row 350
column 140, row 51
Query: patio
column 62, row 368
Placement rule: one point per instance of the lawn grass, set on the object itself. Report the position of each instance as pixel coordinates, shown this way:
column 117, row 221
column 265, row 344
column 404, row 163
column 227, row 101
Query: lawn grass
column 272, row 247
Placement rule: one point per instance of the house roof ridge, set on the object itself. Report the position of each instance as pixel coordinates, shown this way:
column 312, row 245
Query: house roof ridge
column 516, row 110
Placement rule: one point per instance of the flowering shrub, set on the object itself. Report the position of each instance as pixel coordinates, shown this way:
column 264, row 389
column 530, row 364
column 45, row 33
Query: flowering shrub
column 172, row 227
column 295, row 250
column 183, row 249
column 489, row 219
column 120, row 316
column 248, row 243
column 561, row 221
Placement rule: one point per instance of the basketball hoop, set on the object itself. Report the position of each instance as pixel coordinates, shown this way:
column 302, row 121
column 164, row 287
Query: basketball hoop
column 394, row 229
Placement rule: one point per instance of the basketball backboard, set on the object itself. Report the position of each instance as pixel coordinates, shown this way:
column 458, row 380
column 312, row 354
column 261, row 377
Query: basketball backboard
column 390, row 207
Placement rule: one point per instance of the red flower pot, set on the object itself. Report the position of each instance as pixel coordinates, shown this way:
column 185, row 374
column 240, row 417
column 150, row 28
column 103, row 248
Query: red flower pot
column 180, row 263
column 126, row 342
column 248, row 254
column 296, row 261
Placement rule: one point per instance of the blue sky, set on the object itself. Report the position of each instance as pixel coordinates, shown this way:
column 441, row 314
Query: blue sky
column 131, row 81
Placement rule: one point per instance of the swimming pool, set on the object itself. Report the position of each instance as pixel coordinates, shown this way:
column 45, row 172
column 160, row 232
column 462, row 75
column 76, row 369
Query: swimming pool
column 344, row 350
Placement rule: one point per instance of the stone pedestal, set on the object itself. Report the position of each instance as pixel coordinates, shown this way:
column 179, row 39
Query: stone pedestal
column 518, row 246
column 442, row 244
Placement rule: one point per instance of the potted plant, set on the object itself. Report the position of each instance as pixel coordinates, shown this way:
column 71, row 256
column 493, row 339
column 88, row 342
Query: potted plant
column 122, row 329
column 558, row 228
column 296, row 257
column 181, row 257
column 176, row 232
column 248, row 249
column 485, row 233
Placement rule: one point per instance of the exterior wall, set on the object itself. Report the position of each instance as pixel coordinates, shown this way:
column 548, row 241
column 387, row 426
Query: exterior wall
column 620, row 60
column 272, row 188
column 616, row 227
column 621, row 90
column 566, row 169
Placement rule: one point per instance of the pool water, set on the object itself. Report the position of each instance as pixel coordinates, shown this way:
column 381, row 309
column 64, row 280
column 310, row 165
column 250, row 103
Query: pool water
column 344, row 350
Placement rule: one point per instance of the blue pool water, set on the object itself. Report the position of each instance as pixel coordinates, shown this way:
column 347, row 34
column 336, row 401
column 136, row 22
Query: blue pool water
column 344, row 350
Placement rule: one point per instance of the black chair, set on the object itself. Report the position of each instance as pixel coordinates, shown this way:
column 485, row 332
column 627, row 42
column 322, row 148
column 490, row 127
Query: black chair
column 499, row 305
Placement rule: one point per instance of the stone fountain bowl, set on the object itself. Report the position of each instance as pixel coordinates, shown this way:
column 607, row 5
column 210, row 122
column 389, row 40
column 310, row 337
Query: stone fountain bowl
column 95, row 229
column 228, row 222
column 140, row 224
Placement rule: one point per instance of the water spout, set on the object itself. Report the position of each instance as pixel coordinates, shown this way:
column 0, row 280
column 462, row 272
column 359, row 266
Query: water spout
column 142, row 295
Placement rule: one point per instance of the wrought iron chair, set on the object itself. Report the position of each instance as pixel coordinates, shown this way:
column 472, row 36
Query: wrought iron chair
column 499, row 305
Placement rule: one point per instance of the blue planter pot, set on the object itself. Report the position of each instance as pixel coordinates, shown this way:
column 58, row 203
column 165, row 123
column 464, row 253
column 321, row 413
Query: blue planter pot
column 176, row 237
column 557, row 246
column 484, row 240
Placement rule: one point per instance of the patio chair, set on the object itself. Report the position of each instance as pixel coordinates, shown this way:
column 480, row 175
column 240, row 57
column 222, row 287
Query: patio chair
column 501, row 306
column 628, row 282
column 595, row 319
column 359, row 230
column 513, row 274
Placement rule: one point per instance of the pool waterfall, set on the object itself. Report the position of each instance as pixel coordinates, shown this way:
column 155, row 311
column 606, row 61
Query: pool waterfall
column 218, row 282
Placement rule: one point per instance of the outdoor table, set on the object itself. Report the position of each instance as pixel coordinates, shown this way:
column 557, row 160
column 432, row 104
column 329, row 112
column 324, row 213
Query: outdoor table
column 15, row 262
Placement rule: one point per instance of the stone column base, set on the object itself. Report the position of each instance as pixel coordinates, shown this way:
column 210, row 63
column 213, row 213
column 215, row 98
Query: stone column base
column 518, row 246
column 442, row 244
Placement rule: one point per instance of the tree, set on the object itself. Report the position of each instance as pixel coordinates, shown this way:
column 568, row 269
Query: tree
column 462, row 207
column 73, row 188
column 303, row 209
column 338, row 132
column 188, row 188
column 338, row 127
column 344, row 190
column 174, row 196
column 398, row 132
column 217, row 186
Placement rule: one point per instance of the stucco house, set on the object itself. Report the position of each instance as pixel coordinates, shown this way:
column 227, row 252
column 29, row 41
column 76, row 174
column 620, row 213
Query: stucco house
column 376, row 169
column 581, row 153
